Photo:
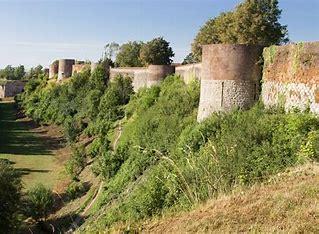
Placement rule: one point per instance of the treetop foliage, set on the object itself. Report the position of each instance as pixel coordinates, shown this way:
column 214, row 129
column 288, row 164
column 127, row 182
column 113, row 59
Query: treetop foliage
column 129, row 55
column 156, row 52
column 12, row 73
column 251, row 22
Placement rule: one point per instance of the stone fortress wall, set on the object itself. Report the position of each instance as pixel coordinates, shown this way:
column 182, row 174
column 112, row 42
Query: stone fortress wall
column 144, row 76
column 11, row 88
column 291, row 77
column 230, row 76
column 189, row 72
column 80, row 67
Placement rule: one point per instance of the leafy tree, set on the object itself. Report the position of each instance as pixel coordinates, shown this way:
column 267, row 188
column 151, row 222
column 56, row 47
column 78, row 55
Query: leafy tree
column 12, row 73
column 19, row 72
column 110, row 51
column 252, row 22
column 189, row 59
column 10, row 195
column 128, row 55
column 35, row 72
column 39, row 202
column 156, row 52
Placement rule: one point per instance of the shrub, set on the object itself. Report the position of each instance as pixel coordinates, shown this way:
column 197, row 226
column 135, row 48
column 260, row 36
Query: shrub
column 201, row 160
column 39, row 202
column 252, row 22
column 10, row 197
column 75, row 190
column 77, row 162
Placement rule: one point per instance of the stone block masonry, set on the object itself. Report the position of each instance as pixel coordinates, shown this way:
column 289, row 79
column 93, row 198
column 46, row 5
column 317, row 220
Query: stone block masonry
column 229, row 79
column 291, row 77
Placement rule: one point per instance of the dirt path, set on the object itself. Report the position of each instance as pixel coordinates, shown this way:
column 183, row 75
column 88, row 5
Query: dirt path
column 78, row 220
column 29, row 147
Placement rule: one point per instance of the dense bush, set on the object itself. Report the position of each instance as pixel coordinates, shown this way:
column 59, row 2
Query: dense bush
column 76, row 163
column 175, row 168
column 10, row 197
column 39, row 202
column 75, row 190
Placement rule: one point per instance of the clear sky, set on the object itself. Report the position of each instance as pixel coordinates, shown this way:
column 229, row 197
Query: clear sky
column 39, row 31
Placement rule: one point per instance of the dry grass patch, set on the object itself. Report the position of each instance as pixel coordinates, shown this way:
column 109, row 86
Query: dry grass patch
column 288, row 202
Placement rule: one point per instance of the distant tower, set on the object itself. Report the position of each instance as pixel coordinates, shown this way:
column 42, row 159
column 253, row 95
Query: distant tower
column 65, row 68
column 53, row 69
column 230, row 78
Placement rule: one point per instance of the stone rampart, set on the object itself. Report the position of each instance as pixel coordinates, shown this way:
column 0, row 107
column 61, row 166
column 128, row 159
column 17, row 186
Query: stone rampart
column 142, row 76
column 76, row 68
column 229, row 78
column 189, row 72
column 291, row 77
column 11, row 88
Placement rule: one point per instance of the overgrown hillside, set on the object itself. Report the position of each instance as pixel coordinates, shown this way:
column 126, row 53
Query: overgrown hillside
column 152, row 155
column 286, row 203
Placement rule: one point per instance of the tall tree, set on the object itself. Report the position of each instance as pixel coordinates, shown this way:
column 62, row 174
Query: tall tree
column 251, row 22
column 128, row 55
column 110, row 51
column 156, row 52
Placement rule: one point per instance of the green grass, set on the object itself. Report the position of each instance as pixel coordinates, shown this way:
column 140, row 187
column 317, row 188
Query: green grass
column 28, row 151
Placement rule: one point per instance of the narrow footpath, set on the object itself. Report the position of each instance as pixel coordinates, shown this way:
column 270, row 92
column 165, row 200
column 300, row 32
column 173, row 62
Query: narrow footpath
column 31, row 149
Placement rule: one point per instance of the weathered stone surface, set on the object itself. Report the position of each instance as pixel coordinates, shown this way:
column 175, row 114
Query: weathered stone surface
column 76, row 68
column 225, row 95
column 291, row 76
column 53, row 70
column 189, row 72
column 291, row 96
column 140, row 79
column 142, row 76
column 294, row 63
column 125, row 71
column 65, row 68
column 230, row 78
column 11, row 88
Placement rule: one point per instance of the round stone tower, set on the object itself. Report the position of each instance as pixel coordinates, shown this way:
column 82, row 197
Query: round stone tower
column 156, row 73
column 230, row 77
column 65, row 68
column 53, row 69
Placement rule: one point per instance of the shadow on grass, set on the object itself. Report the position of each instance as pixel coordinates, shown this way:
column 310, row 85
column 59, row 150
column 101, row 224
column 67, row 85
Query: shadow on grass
column 26, row 171
column 16, row 136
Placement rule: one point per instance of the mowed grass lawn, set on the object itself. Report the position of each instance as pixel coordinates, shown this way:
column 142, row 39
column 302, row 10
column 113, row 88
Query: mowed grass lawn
column 26, row 149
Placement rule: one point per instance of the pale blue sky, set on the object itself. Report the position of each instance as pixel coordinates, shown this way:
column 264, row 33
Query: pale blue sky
column 39, row 31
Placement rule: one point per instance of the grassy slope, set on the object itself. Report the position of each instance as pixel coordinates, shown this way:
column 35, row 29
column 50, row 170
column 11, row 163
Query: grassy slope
column 288, row 203
column 27, row 148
